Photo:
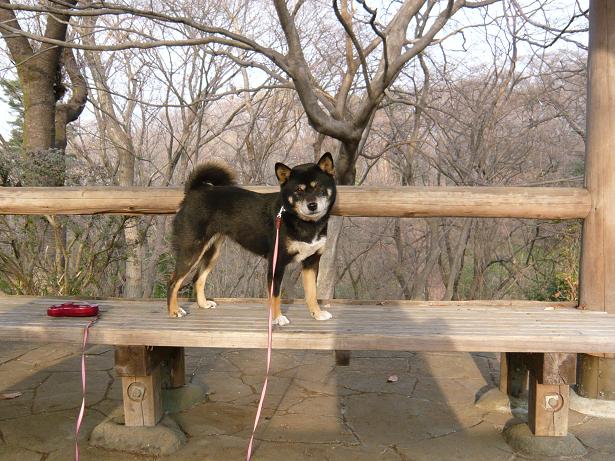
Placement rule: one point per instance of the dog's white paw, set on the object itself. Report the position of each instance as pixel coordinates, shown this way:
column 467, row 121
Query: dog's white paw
column 180, row 313
column 322, row 315
column 280, row 320
column 208, row 304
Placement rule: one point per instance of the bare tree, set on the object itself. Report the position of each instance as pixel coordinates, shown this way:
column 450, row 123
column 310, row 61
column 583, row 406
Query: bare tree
column 40, row 67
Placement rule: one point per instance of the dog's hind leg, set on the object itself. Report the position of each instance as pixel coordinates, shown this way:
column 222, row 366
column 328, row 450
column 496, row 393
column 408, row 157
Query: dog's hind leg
column 205, row 266
column 187, row 258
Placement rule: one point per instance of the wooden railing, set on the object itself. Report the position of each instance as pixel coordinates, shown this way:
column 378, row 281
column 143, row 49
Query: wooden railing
column 502, row 202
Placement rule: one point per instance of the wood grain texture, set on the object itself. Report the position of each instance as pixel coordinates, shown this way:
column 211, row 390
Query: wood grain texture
column 548, row 408
column 597, row 269
column 598, row 246
column 146, row 410
column 550, row 377
column 416, row 327
column 505, row 202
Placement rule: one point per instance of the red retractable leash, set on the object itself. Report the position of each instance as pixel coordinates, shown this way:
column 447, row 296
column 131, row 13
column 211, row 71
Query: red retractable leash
column 73, row 309
column 278, row 220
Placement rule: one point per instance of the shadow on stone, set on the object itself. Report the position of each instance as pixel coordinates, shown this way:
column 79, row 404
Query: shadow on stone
column 181, row 398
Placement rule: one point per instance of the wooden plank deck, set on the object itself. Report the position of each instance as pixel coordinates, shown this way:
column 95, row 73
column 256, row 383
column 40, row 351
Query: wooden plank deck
column 412, row 326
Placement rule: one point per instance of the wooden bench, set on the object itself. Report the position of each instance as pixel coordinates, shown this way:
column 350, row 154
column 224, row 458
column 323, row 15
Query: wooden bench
column 537, row 339
column 549, row 335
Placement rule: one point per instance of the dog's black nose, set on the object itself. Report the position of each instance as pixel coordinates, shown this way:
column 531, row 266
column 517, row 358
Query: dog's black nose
column 312, row 206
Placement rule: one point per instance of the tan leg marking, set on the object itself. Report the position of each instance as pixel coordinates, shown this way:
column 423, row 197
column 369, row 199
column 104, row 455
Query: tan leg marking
column 309, row 287
column 174, row 309
column 276, row 312
column 199, row 285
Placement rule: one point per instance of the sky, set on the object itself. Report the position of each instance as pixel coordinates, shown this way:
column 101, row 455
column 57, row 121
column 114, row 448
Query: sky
column 473, row 43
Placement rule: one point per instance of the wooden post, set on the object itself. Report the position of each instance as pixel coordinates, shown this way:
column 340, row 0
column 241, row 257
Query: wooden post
column 140, row 370
column 597, row 279
column 141, row 396
column 550, row 378
column 173, row 367
column 513, row 374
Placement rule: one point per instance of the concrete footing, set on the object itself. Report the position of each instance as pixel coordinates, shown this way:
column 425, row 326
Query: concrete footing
column 592, row 407
column 521, row 439
column 163, row 439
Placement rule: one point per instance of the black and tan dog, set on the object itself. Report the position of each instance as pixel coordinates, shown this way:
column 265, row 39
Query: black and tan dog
column 214, row 208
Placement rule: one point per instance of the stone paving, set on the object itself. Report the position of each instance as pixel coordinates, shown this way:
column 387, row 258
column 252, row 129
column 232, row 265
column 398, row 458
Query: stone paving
column 314, row 410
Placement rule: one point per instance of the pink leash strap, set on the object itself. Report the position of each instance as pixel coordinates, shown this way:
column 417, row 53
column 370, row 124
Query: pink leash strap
column 278, row 220
column 82, row 409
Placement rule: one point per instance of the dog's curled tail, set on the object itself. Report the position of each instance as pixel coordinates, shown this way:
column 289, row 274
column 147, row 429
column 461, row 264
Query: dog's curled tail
column 213, row 173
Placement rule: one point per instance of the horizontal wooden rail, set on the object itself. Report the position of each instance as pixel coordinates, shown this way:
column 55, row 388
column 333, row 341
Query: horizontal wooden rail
column 486, row 202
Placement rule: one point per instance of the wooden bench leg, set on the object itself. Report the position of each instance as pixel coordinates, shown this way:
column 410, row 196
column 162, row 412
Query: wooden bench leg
column 550, row 377
column 173, row 367
column 513, row 374
column 141, row 395
column 140, row 370
column 342, row 358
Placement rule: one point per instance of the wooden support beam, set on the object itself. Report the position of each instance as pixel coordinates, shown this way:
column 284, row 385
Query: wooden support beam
column 553, row 368
column 175, row 366
column 596, row 377
column 489, row 202
column 548, row 406
column 141, row 396
column 597, row 290
column 598, row 245
column 513, row 374
column 140, row 369
column 138, row 360
column 550, row 376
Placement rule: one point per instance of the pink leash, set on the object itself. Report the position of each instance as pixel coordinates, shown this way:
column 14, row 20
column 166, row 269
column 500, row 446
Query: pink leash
column 278, row 220
column 86, row 329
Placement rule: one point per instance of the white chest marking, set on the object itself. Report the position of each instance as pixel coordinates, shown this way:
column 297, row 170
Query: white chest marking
column 303, row 250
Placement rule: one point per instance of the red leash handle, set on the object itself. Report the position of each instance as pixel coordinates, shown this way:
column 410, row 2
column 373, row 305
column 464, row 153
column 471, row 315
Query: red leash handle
column 73, row 309
column 278, row 220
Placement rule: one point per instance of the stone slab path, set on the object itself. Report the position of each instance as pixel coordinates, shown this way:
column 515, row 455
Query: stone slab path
column 314, row 410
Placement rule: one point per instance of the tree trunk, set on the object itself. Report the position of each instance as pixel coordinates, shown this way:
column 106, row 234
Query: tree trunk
column 457, row 261
column 420, row 285
column 327, row 271
column 133, row 283
column 345, row 171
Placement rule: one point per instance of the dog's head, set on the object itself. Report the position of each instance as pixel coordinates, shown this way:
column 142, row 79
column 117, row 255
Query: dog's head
column 308, row 190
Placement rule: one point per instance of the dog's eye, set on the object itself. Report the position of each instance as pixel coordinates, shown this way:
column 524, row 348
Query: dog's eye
column 300, row 190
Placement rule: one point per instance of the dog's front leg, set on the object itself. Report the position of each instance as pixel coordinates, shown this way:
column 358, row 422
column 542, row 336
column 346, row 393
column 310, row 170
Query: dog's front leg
column 309, row 273
column 275, row 302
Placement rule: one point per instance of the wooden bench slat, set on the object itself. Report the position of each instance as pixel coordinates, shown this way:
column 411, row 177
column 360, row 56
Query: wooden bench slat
column 414, row 326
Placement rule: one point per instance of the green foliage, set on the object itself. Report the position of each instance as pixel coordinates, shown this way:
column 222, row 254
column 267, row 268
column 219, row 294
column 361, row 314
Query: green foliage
column 557, row 273
column 13, row 97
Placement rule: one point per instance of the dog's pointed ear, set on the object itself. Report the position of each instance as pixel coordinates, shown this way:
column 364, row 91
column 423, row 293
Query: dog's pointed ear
column 282, row 172
column 326, row 164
